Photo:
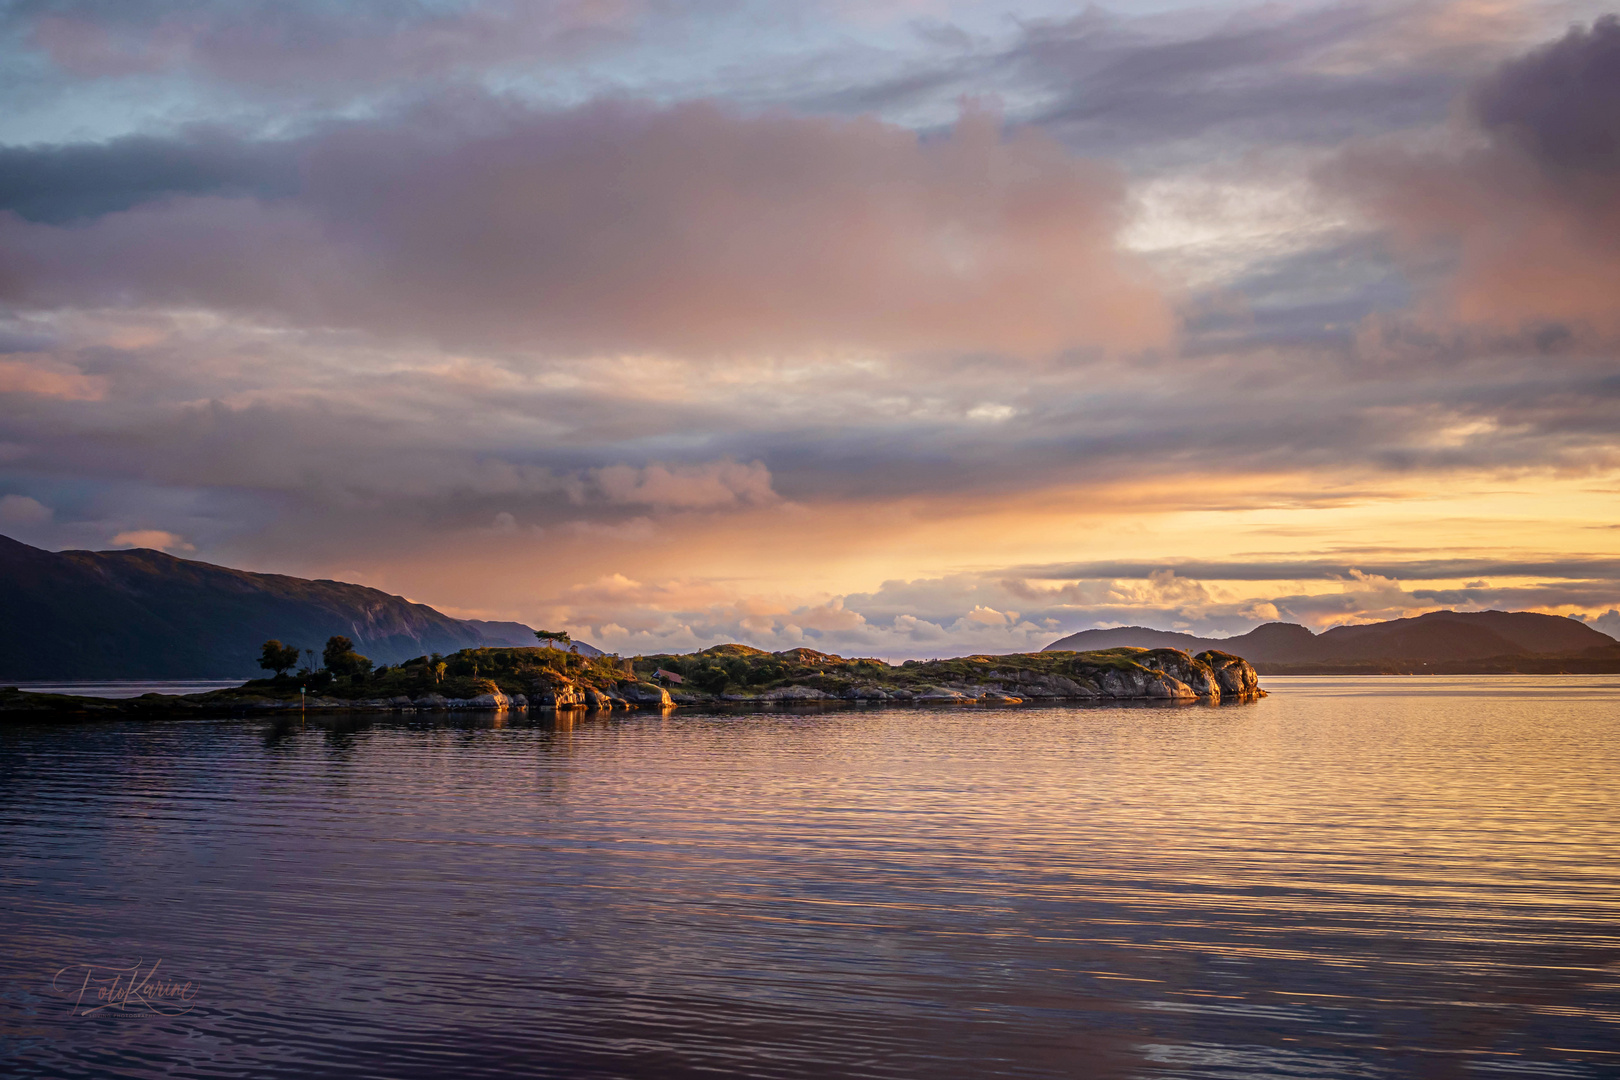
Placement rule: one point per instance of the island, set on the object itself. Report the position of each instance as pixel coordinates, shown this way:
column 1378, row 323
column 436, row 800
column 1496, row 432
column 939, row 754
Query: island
column 552, row 678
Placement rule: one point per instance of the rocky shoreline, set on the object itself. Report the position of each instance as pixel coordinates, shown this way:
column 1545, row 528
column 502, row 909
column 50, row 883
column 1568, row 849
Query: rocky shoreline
column 734, row 675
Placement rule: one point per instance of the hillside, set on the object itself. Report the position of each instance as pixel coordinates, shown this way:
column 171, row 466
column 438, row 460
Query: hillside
column 1472, row 642
column 141, row 614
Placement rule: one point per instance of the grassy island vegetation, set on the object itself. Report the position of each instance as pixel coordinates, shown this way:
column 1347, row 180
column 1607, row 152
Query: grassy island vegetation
column 738, row 672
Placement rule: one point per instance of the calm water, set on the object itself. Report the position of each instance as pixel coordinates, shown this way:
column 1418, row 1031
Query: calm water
column 1352, row 878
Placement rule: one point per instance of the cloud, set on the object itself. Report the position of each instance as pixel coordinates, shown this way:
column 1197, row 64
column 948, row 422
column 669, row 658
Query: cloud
column 682, row 487
column 45, row 376
column 152, row 538
column 1201, row 83
column 1608, row 622
column 1219, row 597
column 628, row 617
column 970, row 613
column 1419, row 566
column 62, row 183
column 309, row 45
column 23, row 510
column 624, row 226
column 1518, row 224
column 412, row 303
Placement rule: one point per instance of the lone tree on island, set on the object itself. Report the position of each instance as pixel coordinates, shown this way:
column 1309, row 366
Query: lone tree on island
column 341, row 659
column 552, row 637
column 277, row 657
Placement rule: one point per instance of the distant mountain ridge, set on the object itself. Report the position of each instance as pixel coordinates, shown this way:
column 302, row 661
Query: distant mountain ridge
column 141, row 614
column 1436, row 638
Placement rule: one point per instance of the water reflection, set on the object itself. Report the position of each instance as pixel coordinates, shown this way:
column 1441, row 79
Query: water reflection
column 1329, row 883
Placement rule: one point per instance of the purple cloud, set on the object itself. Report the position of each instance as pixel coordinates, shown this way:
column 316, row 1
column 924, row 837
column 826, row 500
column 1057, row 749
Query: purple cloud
column 623, row 226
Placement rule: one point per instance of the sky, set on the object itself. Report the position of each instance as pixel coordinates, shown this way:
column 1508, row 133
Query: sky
column 900, row 328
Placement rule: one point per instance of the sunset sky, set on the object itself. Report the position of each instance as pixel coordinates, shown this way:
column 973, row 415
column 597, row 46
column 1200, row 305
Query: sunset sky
column 900, row 328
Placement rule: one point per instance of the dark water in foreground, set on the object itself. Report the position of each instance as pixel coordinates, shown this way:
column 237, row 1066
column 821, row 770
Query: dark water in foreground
column 1352, row 878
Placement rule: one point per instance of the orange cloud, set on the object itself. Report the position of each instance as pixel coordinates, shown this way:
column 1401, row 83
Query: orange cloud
column 152, row 538
column 43, row 376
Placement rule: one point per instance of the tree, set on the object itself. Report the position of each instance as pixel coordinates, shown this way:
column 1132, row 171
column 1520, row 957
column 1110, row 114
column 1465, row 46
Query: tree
column 277, row 657
column 711, row 677
column 336, row 646
column 341, row 659
column 552, row 637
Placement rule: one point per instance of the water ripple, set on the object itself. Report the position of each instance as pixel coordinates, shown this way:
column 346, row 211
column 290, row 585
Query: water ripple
column 1369, row 878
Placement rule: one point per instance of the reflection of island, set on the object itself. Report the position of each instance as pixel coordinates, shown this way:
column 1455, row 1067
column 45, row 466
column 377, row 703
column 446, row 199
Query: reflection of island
column 549, row 678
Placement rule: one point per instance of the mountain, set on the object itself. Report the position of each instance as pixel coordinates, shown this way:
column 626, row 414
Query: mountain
column 141, row 614
column 1459, row 640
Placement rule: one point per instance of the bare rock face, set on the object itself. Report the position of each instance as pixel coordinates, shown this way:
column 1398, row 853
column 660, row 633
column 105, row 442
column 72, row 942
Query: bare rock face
column 556, row 696
column 432, row 701
column 645, row 693
column 1186, row 669
column 795, row 693
column 1038, row 685
column 866, row 693
column 1235, row 675
column 494, row 700
column 1146, row 684
column 944, row 693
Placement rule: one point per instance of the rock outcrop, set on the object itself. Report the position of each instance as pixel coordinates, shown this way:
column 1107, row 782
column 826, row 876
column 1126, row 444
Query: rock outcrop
column 643, row 693
column 556, row 696
column 1235, row 675
column 795, row 693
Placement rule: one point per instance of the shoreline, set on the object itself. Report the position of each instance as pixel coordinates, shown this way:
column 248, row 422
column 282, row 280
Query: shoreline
column 90, row 709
